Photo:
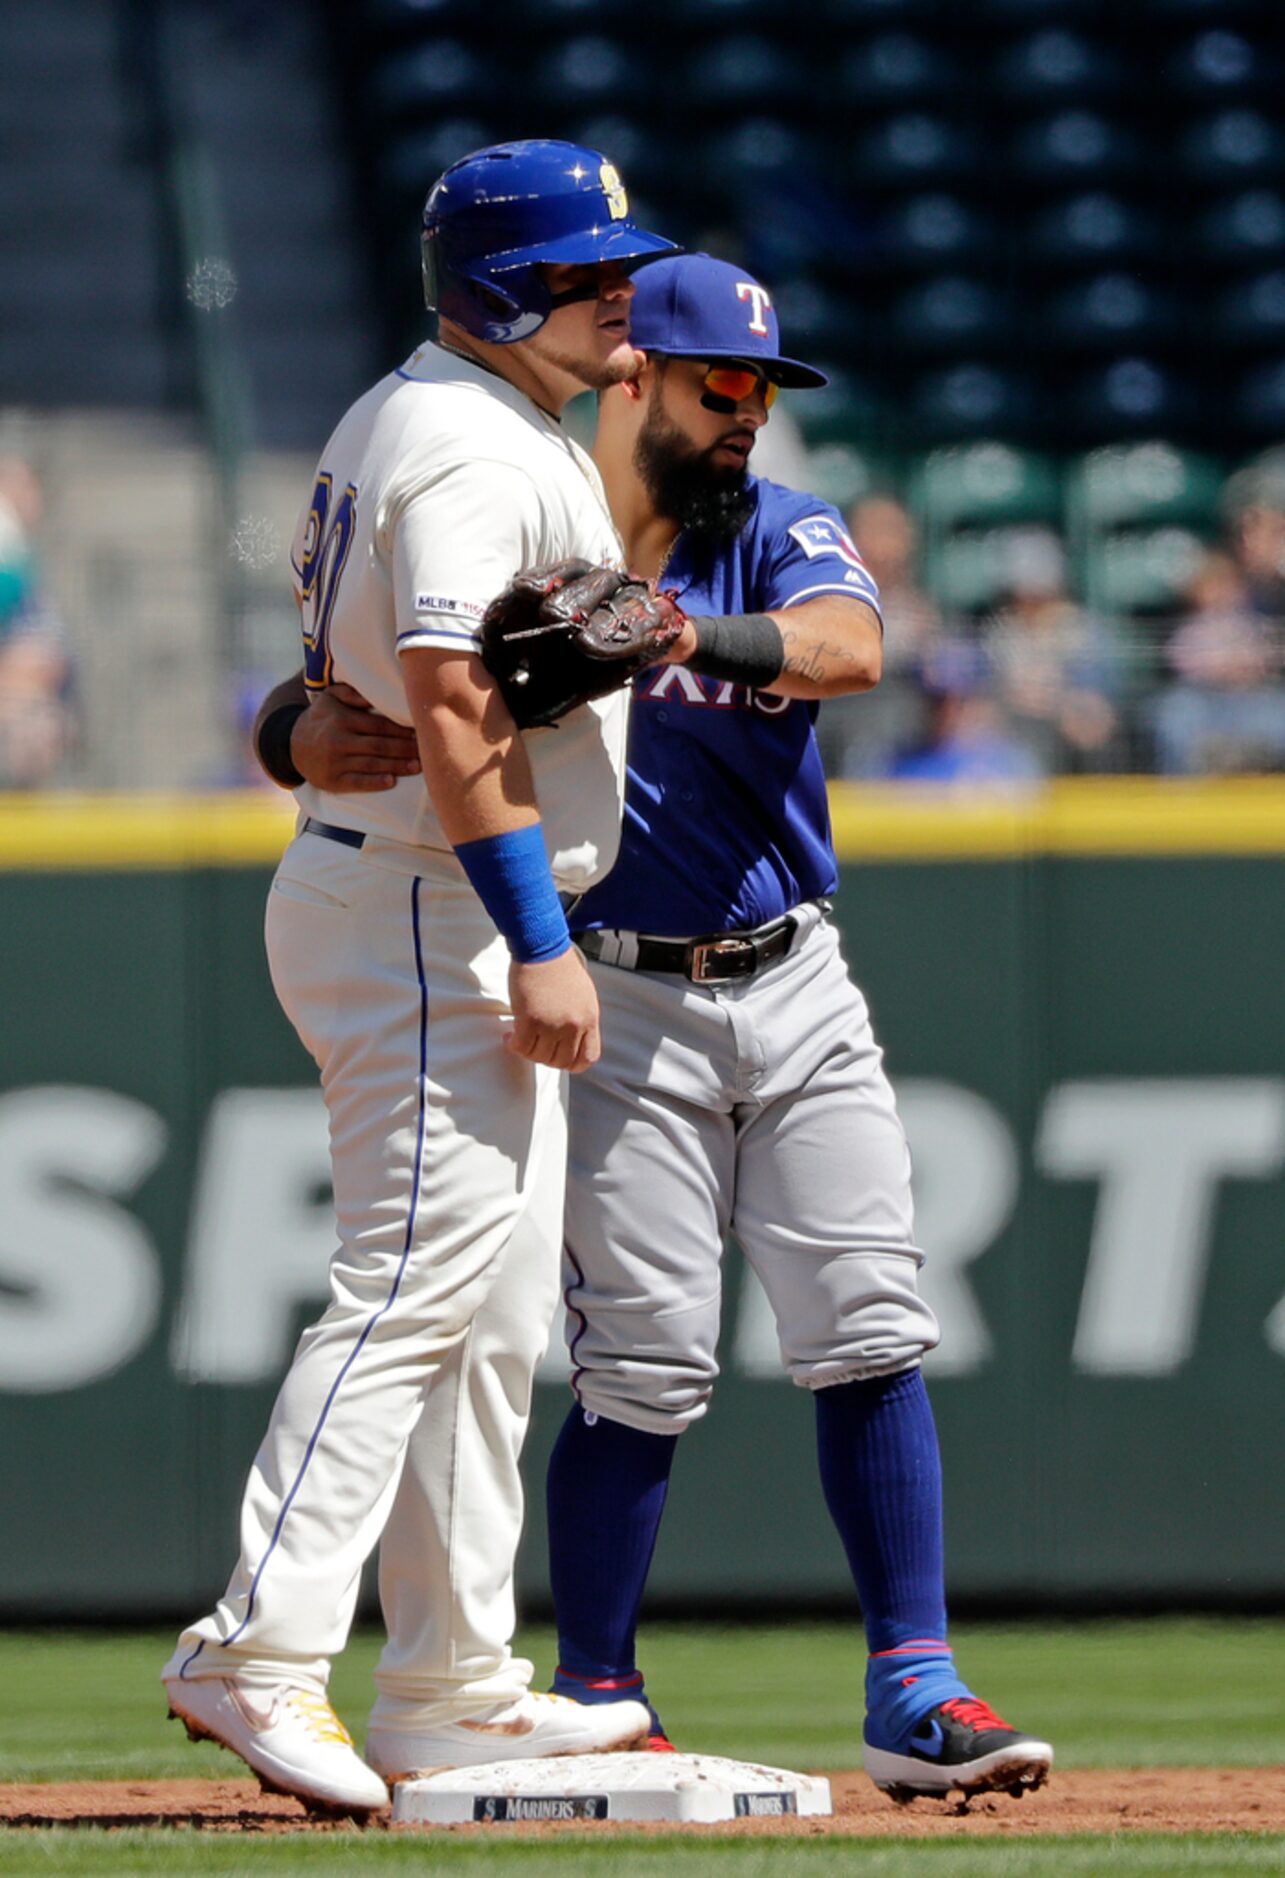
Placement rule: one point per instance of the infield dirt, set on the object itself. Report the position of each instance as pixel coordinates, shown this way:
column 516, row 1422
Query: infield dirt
column 1151, row 1799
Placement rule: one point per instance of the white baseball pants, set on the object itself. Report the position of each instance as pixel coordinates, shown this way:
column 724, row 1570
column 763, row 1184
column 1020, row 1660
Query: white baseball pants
column 448, row 1157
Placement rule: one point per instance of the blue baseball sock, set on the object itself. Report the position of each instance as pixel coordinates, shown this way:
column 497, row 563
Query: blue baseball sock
column 606, row 1493
column 881, row 1474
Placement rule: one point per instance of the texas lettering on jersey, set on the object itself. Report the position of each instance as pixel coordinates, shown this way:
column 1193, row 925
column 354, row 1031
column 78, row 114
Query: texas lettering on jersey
column 677, row 684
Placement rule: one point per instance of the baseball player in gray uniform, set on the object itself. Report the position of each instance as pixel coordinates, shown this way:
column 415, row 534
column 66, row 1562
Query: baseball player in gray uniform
column 739, row 1086
column 418, row 944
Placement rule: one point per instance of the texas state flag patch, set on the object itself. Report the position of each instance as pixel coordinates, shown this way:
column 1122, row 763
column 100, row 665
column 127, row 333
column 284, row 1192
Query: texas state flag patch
column 821, row 534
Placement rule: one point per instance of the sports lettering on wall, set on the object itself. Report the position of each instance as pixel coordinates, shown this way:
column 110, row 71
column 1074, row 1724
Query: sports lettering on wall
column 81, row 1280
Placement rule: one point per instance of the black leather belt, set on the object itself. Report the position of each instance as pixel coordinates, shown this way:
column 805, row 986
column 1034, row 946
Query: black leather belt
column 710, row 961
column 351, row 837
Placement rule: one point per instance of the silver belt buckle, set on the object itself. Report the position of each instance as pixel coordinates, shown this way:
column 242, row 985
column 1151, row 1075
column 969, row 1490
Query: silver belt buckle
column 704, row 966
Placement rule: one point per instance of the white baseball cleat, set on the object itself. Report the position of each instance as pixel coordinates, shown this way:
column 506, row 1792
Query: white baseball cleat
column 529, row 1729
column 290, row 1737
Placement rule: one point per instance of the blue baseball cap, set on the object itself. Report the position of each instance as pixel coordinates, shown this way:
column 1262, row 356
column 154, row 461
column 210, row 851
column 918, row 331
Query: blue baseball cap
column 692, row 306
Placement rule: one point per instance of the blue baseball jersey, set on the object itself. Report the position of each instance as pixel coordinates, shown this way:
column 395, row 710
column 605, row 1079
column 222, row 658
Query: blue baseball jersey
column 726, row 819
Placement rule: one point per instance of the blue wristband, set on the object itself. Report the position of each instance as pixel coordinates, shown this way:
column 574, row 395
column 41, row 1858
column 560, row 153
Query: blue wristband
column 510, row 875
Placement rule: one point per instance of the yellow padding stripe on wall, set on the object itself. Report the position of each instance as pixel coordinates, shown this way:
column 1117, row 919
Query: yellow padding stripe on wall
column 1083, row 815
column 885, row 822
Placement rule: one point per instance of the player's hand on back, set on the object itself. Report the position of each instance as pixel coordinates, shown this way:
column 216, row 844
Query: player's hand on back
column 555, row 1013
column 341, row 745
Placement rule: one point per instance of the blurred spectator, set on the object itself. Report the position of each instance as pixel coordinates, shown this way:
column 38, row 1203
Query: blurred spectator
column 860, row 735
column 37, row 710
column 1058, row 671
column 1255, row 506
column 885, row 534
column 966, row 737
column 1226, row 714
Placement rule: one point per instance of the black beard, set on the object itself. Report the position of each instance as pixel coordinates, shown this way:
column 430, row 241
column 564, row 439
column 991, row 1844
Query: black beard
column 710, row 505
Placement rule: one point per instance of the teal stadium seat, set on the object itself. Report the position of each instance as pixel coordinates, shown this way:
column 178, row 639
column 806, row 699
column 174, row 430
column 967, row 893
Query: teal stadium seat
column 969, row 501
column 591, row 72
column 1076, row 148
column 434, row 76
column 744, row 72
column 1251, row 312
column 1258, row 403
column 844, row 411
column 1244, row 228
column 936, row 231
column 1094, row 229
column 971, row 399
column 914, row 150
column 1235, row 147
column 951, row 314
column 1222, row 65
column 409, row 164
column 1138, row 517
column 819, row 322
column 1110, row 311
column 1057, row 67
column 415, row 18
column 842, row 473
column 895, row 72
column 1132, row 396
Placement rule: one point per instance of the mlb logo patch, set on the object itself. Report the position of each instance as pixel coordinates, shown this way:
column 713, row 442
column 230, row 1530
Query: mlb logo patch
column 821, row 534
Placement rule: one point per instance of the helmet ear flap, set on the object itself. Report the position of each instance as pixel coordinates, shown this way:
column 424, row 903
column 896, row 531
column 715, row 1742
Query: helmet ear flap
column 480, row 305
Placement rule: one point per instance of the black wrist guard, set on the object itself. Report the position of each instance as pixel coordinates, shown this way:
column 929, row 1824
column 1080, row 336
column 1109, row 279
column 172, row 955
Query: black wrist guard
column 272, row 745
column 746, row 648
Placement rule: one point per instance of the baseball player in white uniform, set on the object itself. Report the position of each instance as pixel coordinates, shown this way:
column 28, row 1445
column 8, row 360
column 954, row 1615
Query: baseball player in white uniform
column 739, row 1085
column 418, row 944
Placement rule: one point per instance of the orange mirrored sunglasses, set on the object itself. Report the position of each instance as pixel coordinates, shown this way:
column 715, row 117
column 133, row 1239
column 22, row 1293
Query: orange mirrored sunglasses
column 733, row 384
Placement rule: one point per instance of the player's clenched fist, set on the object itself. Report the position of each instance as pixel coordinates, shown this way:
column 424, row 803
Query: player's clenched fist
column 555, row 1013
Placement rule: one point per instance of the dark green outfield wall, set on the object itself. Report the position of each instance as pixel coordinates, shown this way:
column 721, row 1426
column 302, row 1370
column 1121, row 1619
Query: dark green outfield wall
column 1091, row 1060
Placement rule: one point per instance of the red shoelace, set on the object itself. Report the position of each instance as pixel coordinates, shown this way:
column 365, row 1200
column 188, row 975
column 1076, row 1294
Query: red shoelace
column 970, row 1712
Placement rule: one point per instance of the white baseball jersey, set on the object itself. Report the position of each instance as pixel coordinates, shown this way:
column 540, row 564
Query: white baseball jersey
column 436, row 488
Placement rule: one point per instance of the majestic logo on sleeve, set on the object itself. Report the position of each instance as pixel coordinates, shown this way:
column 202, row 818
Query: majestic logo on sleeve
column 760, row 299
column 821, row 534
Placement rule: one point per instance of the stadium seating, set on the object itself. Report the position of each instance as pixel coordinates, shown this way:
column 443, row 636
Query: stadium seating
column 949, row 314
column 1137, row 516
column 914, row 150
column 1246, row 227
column 932, row 231
column 1109, row 311
column 1075, row 148
column 896, row 71
column 438, row 75
column 1056, row 67
column 968, row 502
column 1093, row 229
column 1237, row 146
column 1033, row 216
column 967, row 400
column 1219, row 65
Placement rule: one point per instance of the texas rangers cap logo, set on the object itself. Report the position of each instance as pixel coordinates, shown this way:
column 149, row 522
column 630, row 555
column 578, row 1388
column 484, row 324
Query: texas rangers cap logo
column 759, row 299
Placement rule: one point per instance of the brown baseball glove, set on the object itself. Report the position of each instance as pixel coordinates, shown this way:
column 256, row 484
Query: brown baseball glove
column 558, row 636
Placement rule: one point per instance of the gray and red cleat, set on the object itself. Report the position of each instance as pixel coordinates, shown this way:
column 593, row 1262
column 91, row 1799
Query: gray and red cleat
column 961, row 1746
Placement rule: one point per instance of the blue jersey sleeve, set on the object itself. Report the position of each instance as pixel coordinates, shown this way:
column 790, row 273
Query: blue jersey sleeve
column 810, row 551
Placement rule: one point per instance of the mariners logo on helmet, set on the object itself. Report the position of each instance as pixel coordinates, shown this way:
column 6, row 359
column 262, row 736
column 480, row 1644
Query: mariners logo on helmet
column 493, row 219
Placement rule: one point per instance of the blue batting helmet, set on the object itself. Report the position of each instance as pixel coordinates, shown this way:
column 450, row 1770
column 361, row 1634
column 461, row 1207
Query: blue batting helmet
column 492, row 219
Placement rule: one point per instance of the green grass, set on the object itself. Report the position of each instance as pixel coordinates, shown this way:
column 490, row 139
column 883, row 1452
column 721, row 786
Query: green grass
column 1141, row 1855
column 87, row 1705
column 1183, row 1691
